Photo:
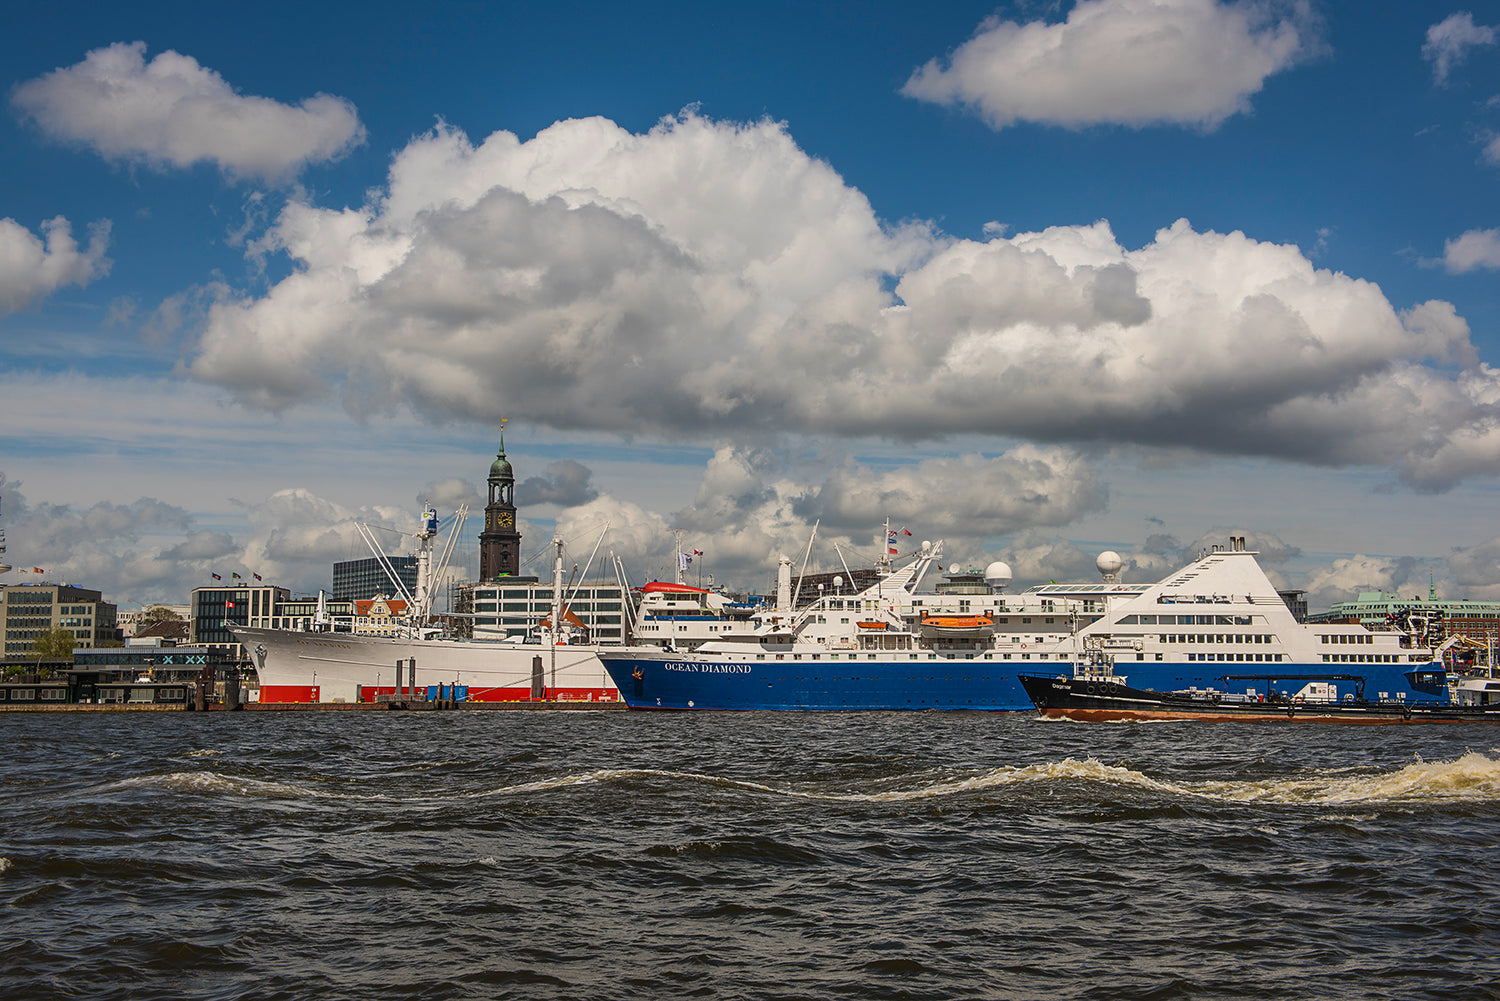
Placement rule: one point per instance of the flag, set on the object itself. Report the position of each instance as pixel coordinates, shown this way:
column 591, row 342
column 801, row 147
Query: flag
column 215, row 576
column 697, row 552
column 256, row 576
column 684, row 560
column 37, row 570
column 893, row 551
column 904, row 531
column 236, row 576
column 228, row 604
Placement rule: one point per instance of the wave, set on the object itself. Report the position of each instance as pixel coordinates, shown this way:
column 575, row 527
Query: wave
column 1470, row 778
column 216, row 784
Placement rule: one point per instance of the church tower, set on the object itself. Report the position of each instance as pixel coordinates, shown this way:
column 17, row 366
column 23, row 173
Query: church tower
column 500, row 543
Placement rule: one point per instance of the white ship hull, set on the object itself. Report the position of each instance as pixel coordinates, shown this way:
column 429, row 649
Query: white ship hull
column 345, row 667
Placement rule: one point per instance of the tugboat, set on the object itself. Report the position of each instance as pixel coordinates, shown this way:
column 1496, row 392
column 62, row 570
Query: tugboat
column 1109, row 698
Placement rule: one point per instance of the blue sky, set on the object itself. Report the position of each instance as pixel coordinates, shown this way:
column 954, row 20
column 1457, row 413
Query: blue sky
column 1035, row 278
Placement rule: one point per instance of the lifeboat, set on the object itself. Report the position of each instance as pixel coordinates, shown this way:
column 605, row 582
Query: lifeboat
column 958, row 627
column 873, row 624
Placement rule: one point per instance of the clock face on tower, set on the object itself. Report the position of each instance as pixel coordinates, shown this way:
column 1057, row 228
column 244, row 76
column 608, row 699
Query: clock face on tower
column 505, row 520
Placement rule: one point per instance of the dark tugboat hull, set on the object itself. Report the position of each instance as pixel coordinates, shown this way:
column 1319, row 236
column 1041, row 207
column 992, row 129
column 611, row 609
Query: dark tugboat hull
column 1105, row 701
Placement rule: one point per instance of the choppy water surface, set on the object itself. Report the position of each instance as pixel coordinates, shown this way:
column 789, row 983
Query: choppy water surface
column 614, row 855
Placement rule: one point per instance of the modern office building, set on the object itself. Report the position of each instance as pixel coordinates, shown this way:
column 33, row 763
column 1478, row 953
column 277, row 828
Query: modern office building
column 216, row 608
column 28, row 610
column 361, row 580
column 516, row 607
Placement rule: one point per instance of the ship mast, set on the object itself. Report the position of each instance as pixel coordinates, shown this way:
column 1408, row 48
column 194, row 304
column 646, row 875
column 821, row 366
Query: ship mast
column 557, row 587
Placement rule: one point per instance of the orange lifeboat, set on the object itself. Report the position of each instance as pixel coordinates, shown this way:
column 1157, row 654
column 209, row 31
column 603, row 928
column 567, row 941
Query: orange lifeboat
column 958, row 626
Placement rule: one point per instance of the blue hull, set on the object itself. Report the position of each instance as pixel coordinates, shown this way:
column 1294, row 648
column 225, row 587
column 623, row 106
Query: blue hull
column 664, row 681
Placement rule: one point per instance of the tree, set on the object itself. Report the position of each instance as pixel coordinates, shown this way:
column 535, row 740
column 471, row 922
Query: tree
column 55, row 643
column 158, row 613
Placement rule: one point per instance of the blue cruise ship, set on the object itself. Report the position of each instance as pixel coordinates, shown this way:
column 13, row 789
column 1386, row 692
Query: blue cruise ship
column 1218, row 623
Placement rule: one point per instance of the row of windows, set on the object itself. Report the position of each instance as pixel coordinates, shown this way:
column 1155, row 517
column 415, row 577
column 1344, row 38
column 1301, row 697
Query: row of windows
column 33, row 694
column 543, row 594
column 1238, row 638
column 1187, row 620
column 23, row 634
column 29, row 597
column 525, row 620
column 929, row 656
column 1239, row 655
column 1364, row 658
column 1348, row 638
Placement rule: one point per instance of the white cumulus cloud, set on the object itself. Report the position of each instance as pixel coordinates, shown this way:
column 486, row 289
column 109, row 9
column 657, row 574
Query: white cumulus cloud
column 1450, row 40
column 1128, row 62
column 31, row 269
column 711, row 279
column 172, row 111
column 1478, row 248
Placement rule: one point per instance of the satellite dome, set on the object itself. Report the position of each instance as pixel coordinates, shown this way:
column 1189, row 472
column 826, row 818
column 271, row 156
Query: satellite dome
column 1109, row 563
column 955, row 568
column 997, row 575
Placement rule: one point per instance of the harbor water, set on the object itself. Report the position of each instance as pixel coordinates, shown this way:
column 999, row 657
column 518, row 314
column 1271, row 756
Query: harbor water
column 618, row 855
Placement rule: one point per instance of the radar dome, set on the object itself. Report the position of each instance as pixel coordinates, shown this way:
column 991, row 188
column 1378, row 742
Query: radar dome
column 997, row 575
column 1109, row 562
column 955, row 568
